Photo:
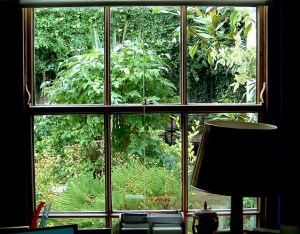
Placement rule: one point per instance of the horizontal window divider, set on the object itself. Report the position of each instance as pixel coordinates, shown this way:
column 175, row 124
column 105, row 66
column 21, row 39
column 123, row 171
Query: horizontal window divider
column 226, row 212
column 140, row 109
column 91, row 214
column 245, row 212
column 79, row 214
column 79, row 3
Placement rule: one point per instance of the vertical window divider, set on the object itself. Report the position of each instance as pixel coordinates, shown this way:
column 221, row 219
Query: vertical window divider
column 183, row 54
column 262, row 59
column 107, row 125
column 184, row 160
column 29, row 53
column 144, row 108
column 262, row 87
column 183, row 77
column 107, row 82
column 29, row 82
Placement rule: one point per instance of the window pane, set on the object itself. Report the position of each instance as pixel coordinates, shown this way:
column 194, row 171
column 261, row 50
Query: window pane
column 145, row 55
column 222, row 54
column 146, row 164
column 69, row 162
column 69, row 60
column 196, row 126
column 249, row 222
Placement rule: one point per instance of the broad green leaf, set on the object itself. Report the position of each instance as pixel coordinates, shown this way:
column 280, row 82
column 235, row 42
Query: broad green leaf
column 205, row 35
column 125, row 70
column 210, row 59
column 193, row 50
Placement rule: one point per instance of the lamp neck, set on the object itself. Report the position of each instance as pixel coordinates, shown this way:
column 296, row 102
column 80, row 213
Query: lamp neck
column 236, row 218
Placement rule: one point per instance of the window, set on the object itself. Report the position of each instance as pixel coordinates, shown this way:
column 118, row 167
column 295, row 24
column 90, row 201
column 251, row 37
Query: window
column 120, row 95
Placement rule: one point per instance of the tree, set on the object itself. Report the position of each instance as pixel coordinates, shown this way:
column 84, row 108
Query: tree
column 137, row 74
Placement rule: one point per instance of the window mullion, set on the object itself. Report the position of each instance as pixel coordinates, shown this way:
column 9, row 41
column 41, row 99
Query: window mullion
column 107, row 116
column 183, row 60
column 107, row 82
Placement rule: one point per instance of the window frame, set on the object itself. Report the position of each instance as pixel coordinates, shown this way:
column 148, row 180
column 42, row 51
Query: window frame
column 184, row 108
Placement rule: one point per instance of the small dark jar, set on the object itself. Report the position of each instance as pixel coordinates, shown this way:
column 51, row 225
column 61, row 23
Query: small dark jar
column 205, row 221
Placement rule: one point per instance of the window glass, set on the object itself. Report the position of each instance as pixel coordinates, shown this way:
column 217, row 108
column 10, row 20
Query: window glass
column 146, row 162
column 69, row 56
column 145, row 55
column 222, row 54
column 69, row 162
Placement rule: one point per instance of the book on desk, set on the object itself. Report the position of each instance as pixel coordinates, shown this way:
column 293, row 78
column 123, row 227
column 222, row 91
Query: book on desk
column 154, row 223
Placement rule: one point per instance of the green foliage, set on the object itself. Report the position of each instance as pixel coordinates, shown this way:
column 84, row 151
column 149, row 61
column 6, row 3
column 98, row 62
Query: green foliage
column 250, row 202
column 65, row 32
column 81, row 81
column 158, row 187
column 55, row 170
column 145, row 59
column 55, row 133
column 83, row 193
column 86, row 193
column 221, row 33
column 219, row 54
column 61, row 33
column 81, row 78
column 211, row 31
column 242, row 117
column 157, row 152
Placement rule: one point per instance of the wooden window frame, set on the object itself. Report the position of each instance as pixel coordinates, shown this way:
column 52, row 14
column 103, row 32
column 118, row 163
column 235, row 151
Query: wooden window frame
column 184, row 108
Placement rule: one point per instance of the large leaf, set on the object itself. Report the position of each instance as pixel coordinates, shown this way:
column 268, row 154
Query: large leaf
column 193, row 50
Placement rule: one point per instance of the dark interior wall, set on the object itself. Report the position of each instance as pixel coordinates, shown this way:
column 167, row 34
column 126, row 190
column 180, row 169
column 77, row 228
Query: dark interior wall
column 284, row 51
column 289, row 109
column 13, row 205
column 284, row 78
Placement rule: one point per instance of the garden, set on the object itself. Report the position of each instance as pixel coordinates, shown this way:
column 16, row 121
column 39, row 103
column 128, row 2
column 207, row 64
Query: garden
column 70, row 158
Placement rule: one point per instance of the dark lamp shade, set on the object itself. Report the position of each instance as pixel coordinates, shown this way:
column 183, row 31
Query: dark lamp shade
column 237, row 158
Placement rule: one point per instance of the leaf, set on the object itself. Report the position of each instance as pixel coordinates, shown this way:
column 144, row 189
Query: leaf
column 153, row 99
column 235, row 86
column 191, row 31
column 195, row 10
column 233, row 19
column 95, row 40
column 210, row 59
column 247, row 29
column 134, row 93
column 156, row 10
column 205, row 35
column 126, row 70
column 220, row 25
column 220, row 61
column 193, row 50
column 202, row 20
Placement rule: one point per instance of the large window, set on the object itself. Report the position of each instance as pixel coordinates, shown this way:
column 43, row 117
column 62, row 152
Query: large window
column 119, row 95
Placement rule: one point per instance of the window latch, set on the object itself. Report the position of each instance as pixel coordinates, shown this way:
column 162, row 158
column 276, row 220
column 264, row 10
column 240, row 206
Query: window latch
column 146, row 102
column 261, row 95
column 29, row 96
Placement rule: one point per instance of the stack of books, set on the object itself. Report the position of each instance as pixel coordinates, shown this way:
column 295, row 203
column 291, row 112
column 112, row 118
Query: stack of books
column 171, row 223
column 154, row 223
column 134, row 223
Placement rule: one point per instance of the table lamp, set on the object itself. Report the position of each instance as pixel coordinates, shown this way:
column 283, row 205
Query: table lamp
column 237, row 159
